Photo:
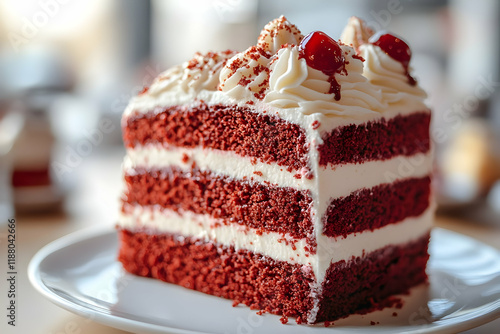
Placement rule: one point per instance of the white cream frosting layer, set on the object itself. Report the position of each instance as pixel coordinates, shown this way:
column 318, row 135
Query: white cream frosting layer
column 329, row 250
column 223, row 163
column 334, row 181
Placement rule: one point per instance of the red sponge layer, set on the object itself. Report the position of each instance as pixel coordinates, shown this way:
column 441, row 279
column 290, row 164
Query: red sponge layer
column 369, row 209
column 362, row 285
column 256, row 205
column 229, row 128
column 379, row 140
column 245, row 277
column 356, row 286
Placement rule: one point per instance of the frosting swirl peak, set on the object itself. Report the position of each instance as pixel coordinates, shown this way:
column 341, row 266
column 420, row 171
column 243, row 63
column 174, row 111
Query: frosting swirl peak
column 297, row 75
column 278, row 33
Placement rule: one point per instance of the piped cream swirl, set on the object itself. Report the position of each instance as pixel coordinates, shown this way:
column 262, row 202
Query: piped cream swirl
column 200, row 73
column 356, row 33
column 273, row 73
column 294, row 84
column 278, row 33
column 382, row 70
column 246, row 75
column 390, row 76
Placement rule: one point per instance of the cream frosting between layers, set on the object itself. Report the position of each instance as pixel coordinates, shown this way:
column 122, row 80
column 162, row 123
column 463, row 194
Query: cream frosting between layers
column 329, row 250
column 332, row 179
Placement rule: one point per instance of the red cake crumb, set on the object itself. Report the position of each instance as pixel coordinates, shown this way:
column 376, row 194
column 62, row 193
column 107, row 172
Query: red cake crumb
column 372, row 323
column 356, row 56
column 315, row 125
column 370, row 209
column 259, row 173
column 247, row 278
column 185, row 158
column 229, row 128
column 394, row 314
column 380, row 140
column 272, row 208
column 366, row 285
column 277, row 287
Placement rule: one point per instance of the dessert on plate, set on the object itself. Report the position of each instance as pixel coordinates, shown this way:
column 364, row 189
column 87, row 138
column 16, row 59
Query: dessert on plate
column 293, row 177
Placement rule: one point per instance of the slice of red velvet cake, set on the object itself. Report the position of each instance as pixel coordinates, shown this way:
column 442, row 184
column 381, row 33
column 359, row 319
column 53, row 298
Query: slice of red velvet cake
column 293, row 177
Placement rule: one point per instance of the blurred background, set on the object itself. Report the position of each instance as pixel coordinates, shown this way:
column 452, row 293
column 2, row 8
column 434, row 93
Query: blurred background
column 68, row 69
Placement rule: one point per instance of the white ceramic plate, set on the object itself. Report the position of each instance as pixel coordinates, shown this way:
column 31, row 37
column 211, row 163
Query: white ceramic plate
column 80, row 273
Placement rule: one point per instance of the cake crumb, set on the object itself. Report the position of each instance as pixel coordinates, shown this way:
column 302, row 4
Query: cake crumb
column 284, row 319
column 316, row 124
column 355, row 56
column 394, row 314
column 259, row 173
column 185, row 158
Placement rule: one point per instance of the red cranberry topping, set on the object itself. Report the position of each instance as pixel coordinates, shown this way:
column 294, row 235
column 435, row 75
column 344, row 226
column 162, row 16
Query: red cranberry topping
column 396, row 48
column 324, row 54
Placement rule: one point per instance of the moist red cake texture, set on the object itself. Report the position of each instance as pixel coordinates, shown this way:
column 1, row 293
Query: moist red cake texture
column 356, row 286
column 379, row 140
column 280, row 284
column 271, row 139
column 229, row 128
column 260, row 206
column 370, row 209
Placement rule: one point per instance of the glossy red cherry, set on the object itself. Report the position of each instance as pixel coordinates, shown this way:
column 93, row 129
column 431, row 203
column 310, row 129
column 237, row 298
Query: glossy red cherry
column 393, row 46
column 396, row 48
column 322, row 52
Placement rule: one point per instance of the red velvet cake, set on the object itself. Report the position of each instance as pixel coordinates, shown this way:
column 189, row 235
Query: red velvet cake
column 293, row 177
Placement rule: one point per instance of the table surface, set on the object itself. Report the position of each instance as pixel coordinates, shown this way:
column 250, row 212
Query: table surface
column 94, row 201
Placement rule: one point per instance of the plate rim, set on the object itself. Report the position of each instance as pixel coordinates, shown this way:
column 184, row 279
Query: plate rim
column 126, row 324
column 100, row 317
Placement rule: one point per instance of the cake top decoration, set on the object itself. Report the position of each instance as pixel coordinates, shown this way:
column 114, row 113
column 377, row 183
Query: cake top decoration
column 362, row 73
